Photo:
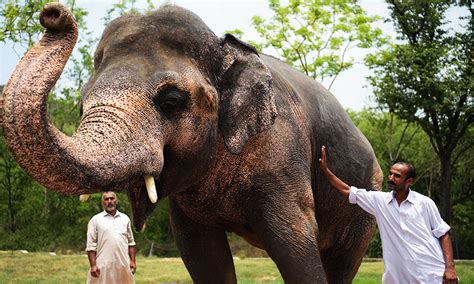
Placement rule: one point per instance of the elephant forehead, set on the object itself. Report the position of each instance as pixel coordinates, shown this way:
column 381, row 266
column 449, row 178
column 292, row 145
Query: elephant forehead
column 168, row 19
column 170, row 28
column 186, row 77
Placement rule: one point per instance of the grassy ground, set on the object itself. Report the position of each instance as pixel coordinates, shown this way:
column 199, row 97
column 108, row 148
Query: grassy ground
column 16, row 267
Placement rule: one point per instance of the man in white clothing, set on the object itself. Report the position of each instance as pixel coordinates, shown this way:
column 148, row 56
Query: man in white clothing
column 110, row 245
column 415, row 241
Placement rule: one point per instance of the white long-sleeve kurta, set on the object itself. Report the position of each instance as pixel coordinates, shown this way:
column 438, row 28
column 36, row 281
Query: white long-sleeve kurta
column 110, row 236
column 410, row 235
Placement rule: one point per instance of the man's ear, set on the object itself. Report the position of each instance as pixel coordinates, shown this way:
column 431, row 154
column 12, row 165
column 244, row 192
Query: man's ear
column 409, row 181
column 247, row 104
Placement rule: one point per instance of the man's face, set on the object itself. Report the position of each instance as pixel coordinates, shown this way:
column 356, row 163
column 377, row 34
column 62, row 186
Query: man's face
column 397, row 178
column 109, row 202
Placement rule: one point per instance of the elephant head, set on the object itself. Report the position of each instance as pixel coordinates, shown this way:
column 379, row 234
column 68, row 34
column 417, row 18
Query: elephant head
column 166, row 92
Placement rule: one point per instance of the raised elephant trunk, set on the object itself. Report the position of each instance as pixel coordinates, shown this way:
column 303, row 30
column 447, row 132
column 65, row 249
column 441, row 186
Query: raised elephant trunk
column 70, row 165
column 26, row 96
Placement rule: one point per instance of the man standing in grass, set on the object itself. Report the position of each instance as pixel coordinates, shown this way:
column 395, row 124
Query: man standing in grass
column 110, row 245
column 415, row 241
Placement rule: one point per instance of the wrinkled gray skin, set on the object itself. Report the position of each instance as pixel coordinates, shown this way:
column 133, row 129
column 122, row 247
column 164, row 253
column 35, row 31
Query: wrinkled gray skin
column 232, row 138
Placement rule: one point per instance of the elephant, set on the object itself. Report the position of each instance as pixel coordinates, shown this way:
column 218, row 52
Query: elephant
column 230, row 136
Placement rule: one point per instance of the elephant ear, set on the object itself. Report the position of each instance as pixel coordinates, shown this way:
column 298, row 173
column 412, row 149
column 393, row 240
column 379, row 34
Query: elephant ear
column 247, row 102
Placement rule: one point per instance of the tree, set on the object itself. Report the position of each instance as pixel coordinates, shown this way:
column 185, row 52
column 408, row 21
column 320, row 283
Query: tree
column 394, row 139
column 18, row 25
column 316, row 36
column 427, row 79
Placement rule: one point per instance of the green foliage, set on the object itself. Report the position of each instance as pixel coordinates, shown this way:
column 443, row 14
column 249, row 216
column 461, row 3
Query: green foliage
column 12, row 178
column 316, row 36
column 464, row 235
column 375, row 247
column 18, row 21
column 394, row 139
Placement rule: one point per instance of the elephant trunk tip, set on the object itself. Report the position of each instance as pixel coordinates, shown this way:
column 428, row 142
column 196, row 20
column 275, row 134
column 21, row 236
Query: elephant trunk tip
column 56, row 17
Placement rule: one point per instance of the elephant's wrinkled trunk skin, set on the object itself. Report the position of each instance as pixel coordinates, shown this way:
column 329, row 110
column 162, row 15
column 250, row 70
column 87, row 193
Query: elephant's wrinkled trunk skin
column 50, row 157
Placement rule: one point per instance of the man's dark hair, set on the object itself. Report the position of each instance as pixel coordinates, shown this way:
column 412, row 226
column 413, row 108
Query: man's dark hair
column 411, row 172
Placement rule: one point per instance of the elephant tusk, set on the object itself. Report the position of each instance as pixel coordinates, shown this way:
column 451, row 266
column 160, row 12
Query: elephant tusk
column 151, row 188
column 84, row 197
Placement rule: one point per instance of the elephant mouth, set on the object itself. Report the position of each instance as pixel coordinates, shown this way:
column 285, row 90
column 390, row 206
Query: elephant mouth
column 143, row 198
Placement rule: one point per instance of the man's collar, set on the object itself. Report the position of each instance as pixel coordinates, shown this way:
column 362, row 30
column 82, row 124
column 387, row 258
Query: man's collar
column 411, row 197
column 389, row 197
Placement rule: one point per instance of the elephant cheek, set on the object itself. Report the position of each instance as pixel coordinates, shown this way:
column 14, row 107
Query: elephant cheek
column 207, row 101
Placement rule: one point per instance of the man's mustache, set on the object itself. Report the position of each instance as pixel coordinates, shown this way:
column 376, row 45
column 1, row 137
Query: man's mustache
column 391, row 183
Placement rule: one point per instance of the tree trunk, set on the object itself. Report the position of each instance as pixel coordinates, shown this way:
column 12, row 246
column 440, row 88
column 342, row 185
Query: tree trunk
column 445, row 187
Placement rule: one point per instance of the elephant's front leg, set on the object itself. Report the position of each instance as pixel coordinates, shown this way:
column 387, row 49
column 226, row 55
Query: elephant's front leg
column 287, row 227
column 204, row 250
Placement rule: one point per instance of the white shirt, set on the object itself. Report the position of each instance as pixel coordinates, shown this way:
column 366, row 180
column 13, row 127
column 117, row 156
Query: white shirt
column 411, row 249
column 110, row 236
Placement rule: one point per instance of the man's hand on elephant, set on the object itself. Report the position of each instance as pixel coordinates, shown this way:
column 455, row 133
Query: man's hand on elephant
column 95, row 271
column 322, row 161
column 338, row 184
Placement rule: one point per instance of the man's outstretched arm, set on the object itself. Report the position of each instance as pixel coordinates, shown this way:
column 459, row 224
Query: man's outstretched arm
column 338, row 184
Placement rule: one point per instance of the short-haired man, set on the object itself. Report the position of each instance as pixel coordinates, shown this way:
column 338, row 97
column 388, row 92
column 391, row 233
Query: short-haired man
column 415, row 241
column 110, row 245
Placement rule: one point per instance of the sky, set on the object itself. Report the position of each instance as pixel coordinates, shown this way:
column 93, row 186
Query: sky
column 221, row 15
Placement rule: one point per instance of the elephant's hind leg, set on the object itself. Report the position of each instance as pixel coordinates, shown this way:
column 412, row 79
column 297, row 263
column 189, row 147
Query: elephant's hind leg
column 204, row 250
column 289, row 237
column 342, row 260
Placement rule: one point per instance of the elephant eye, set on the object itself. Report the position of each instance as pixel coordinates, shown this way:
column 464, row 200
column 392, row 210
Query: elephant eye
column 171, row 100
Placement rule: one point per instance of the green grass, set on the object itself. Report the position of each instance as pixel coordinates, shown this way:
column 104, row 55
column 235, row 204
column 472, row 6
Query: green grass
column 370, row 272
column 16, row 267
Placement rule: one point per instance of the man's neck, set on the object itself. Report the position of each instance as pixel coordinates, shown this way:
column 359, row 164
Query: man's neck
column 112, row 212
column 401, row 195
